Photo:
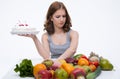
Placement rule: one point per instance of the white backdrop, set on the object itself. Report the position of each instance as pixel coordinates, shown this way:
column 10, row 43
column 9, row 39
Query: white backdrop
column 97, row 21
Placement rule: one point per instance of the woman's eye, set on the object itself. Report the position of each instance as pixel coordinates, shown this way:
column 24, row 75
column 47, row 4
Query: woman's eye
column 57, row 16
column 64, row 16
column 60, row 16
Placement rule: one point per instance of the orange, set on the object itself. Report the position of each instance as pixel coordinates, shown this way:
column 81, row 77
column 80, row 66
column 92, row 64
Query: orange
column 83, row 61
column 92, row 67
column 68, row 67
column 37, row 68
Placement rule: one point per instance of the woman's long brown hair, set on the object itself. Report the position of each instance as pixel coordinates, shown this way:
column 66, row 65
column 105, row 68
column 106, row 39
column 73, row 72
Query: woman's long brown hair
column 48, row 26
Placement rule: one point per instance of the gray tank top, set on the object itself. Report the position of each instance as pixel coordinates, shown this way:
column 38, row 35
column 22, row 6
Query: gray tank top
column 57, row 50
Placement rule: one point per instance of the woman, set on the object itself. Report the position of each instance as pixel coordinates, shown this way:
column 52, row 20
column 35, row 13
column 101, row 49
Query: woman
column 59, row 41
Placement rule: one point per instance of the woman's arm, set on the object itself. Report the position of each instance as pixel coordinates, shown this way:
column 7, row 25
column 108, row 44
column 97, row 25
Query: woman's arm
column 45, row 43
column 74, row 36
column 42, row 51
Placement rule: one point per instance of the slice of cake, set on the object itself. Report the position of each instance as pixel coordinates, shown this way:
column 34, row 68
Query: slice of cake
column 23, row 29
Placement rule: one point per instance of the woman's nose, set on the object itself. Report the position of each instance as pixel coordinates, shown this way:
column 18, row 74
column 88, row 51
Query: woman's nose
column 61, row 18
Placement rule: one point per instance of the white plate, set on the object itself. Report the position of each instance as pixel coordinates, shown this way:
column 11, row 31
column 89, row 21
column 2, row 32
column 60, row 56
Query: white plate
column 25, row 32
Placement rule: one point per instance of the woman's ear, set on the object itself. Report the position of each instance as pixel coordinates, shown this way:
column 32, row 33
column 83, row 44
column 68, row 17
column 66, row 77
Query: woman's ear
column 51, row 18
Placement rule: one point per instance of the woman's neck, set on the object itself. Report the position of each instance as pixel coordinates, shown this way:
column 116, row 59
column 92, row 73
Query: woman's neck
column 59, row 31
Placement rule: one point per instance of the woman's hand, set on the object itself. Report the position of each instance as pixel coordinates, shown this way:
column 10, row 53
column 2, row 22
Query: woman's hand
column 57, row 63
column 28, row 35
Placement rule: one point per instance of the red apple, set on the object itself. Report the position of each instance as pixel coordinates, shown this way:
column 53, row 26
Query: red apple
column 44, row 74
column 77, row 73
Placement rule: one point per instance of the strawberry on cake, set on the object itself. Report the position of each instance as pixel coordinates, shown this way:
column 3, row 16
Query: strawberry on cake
column 23, row 28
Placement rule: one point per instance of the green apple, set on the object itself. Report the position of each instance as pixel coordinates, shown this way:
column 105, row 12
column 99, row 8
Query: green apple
column 78, row 66
column 87, row 69
column 61, row 74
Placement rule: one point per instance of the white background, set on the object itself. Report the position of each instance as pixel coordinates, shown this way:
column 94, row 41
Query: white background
column 97, row 21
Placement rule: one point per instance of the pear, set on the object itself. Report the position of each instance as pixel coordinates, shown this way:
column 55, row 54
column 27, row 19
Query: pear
column 105, row 64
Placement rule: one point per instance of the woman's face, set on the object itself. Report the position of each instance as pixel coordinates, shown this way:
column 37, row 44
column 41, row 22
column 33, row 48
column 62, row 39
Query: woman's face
column 59, row 18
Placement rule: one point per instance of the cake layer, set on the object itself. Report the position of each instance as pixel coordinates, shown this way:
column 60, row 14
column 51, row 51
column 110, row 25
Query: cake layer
column 22, row 29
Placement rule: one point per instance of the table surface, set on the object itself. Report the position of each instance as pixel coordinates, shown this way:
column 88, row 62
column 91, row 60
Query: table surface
column 104, row 75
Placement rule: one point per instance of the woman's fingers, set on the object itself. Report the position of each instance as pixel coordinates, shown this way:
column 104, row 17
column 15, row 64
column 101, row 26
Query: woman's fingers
column 27, row 35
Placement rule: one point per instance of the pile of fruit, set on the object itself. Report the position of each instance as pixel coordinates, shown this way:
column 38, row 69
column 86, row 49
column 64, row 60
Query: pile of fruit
column 76, row 67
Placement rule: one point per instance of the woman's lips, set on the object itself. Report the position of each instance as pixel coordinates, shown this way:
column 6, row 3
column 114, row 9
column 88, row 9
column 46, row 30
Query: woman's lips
column 61, row 23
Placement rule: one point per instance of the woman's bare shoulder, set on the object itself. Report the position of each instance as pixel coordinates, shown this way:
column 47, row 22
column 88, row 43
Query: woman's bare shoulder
column 45, row 35
column 73, row 32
